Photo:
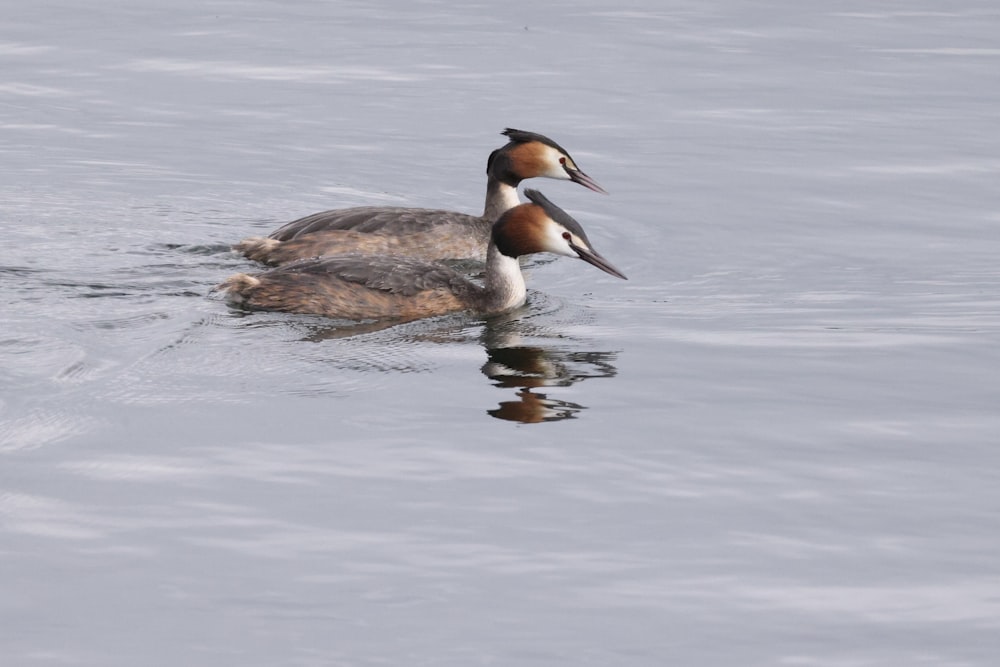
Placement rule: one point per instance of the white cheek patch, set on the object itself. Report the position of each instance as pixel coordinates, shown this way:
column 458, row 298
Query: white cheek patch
column 555, row 167
column 556, row 244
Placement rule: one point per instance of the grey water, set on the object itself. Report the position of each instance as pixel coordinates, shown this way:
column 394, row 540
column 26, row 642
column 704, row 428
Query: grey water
column 776, row 444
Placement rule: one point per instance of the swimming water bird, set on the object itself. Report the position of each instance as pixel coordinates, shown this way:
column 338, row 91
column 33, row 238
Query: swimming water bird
column 428, row 234
column 358, row 287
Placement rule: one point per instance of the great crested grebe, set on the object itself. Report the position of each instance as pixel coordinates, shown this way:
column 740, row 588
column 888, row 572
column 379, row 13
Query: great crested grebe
column 359, row 287
column 428, row 234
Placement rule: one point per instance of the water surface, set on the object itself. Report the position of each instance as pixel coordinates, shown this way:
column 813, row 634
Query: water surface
column 774, row 445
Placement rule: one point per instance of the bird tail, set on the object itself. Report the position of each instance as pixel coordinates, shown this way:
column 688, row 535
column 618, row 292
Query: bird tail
column 257, row 248
column 237, row 287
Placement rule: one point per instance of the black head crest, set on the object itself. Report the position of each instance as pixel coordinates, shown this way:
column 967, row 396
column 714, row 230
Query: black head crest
column 523, row 137
column 556, row 213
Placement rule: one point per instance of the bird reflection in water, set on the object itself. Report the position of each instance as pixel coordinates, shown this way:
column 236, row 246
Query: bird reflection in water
column 534, row 408
column 510, row 364
column 529, row 367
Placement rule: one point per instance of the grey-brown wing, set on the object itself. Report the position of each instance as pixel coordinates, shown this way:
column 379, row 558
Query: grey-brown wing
column 372, row 219
column 396, row 275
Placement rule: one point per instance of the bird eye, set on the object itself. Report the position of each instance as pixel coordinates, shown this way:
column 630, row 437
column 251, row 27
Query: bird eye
column 562, row 160
column 567, row 236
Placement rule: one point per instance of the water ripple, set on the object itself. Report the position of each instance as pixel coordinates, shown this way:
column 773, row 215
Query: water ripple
column 41, row 427
column 306, row 73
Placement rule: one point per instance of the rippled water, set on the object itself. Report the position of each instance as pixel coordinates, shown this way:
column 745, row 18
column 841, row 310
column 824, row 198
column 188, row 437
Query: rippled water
column 774, row 445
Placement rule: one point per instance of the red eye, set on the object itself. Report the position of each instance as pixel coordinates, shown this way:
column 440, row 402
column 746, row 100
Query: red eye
column 567, row 236
column 562, row 160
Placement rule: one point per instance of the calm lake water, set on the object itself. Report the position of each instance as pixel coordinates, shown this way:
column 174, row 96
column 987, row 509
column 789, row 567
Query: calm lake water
column 776, row 444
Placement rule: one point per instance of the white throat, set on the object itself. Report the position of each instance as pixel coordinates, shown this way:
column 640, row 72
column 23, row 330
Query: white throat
column 500, row 198
column 504, row 281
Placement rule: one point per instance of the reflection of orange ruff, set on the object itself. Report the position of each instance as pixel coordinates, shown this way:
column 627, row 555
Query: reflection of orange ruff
column 530, row 367
column 534, row 409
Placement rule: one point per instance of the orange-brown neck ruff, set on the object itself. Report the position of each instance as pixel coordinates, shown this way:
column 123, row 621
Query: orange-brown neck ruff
column 519, row 230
